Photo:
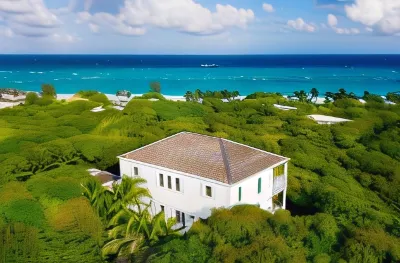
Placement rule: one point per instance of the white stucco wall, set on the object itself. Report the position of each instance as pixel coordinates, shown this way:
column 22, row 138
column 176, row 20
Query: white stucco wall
column 191, row 200
column 250, row 193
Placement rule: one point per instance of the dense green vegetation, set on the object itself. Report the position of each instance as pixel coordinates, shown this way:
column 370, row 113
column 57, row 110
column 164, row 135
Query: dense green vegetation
column 343, row 194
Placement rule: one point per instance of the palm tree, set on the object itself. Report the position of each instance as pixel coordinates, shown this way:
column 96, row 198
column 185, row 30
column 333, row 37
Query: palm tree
column 134, row 232
column 235, row 94
column 301, row 95
column 100, row 197
column 198, row 94
column 189, row 96
column 128, row 193
column 313, row 94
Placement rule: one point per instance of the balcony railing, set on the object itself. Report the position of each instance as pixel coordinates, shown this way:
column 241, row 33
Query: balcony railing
column 279, row 184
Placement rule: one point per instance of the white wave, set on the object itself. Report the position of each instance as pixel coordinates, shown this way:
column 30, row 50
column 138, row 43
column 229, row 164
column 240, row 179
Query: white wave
column 393, row 71
column 5, row 77
column 18, row 82
column 32, row 72
column 40, row 72
column 55, row 79
column 254, row 79
column 75, row 74
column 307, row 77
column 3, row 71
column 96, row 77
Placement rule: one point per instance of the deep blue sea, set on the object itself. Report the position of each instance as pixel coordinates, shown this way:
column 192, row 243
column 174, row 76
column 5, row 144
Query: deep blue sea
column 378, row 74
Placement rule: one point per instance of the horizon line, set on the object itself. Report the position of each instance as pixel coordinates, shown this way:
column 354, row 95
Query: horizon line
column 261, row 54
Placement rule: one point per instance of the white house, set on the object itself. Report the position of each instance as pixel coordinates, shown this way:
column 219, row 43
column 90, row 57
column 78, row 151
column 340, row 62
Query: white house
column 322, row 119
column 188, row 174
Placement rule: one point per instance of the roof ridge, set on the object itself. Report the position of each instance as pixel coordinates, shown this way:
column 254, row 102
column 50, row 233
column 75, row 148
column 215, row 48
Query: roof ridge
column 226, row 161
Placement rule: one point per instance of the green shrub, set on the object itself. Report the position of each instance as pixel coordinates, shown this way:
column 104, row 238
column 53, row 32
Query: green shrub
column 62, row 188
column 31, row 98
column 28, row 212
column 151, row 95
column 48, row 90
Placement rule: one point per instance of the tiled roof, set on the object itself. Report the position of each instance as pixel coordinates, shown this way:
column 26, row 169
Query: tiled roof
column 209, row 157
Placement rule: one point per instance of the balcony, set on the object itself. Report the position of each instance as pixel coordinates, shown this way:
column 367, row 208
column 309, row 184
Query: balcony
column 279, row 184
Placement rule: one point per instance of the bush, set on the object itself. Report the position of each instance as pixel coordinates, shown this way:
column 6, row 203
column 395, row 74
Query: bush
column 25, row 211
column 77, row 215
column 31, row 98
column 151, row 95
column 62, row 188
column 48, row 90
column 155, row 86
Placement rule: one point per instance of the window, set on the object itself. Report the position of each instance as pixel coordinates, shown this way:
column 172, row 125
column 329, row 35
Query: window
column 161, row 179
column 280, row 170
column 208, row 191
column 169, row 182
column 259, row 185
column 177, row 185
column 240, row 194
column 162, row 208
column 178, row 216
column 135, row 171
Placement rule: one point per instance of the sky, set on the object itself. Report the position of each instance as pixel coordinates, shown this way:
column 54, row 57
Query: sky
column 200, row 26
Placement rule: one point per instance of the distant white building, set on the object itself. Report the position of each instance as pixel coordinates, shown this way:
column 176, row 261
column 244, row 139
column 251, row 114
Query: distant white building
column 189, row 174
column 322, row 119
column 281, row 107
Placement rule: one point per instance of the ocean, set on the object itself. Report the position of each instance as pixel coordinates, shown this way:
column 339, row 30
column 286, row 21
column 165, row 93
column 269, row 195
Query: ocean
column 378, row 74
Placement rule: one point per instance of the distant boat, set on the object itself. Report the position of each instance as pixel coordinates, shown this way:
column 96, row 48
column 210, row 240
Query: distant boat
column 209, row 66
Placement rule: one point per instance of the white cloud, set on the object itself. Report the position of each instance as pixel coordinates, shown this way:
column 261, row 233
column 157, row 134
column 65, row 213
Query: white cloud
column 368, row 29
column 94, row 28
column 268, row 8
column 333, row 23
column 381, row 14
column 332, row 20
column 15, row 6
column 64, row 38
column 6, row 32
column 184, row 15
column 109, row 23
column 28, row 12
column 300, row 25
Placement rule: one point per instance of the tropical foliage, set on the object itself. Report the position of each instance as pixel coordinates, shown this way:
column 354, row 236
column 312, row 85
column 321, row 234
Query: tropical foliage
column 343, row 193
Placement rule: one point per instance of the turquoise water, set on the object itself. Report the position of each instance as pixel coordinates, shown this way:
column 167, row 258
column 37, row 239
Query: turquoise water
column 176, row 79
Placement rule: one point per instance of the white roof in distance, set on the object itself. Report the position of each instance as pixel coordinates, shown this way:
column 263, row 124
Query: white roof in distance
column 284, row 107
column 323, row 118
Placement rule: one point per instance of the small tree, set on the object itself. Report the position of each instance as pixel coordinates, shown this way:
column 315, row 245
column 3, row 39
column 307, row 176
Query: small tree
column 301, row 95
column 31, row 98
column 313, row 94
column 155, row 86
column 48, row 90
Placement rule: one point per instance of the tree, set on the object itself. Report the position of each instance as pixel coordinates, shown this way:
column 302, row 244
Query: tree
column 198, row 94
column 235, row 94
column 189, row 96
column 155, row 86
column 313, row 94
column 301, row 95
column 100, row 198
column 133, row 227
column 48, row 90
column 31, row 98
column 393, row 97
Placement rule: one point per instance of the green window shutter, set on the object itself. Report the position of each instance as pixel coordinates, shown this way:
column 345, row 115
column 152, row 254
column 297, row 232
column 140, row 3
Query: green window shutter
column 259, row 185
column 240, row 194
